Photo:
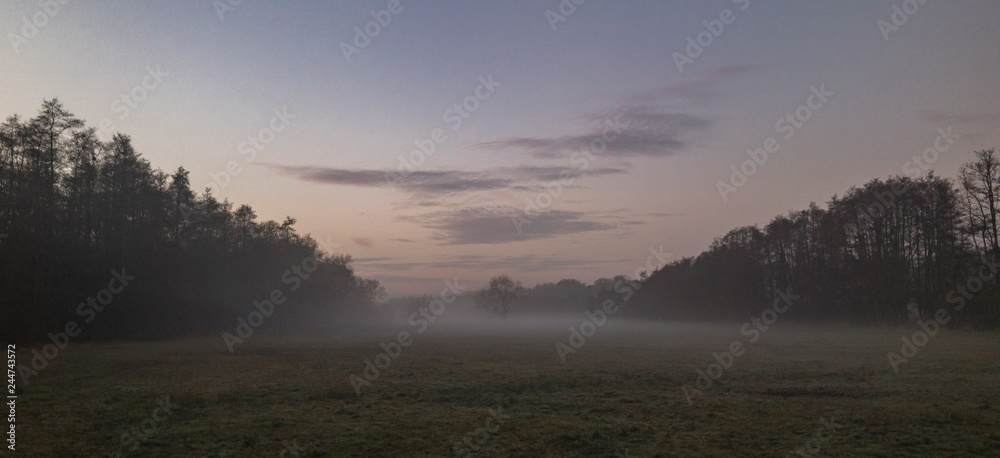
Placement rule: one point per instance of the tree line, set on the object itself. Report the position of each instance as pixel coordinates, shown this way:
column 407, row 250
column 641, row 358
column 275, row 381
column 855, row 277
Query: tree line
column 77, row 212
column 882, row 253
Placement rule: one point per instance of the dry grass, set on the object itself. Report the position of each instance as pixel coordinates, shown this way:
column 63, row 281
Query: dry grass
column 619, row 395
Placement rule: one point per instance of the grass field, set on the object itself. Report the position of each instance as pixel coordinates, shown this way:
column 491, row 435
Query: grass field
column 823, row 391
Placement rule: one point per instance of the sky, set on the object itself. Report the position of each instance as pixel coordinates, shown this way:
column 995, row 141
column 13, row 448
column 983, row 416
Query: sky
column 439, row 140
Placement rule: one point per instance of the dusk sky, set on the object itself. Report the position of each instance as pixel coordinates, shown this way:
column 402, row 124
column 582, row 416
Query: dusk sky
column 640, row 124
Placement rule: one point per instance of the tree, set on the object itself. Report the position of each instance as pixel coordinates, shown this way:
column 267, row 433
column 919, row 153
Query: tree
column 244, row 219
column 181, row 201
column 372, row 290
column 980, row 184
column 497, row 298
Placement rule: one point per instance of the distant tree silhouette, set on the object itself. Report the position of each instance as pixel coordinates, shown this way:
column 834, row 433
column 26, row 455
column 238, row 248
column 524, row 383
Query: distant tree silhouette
column 372, row 290
column 501, row 293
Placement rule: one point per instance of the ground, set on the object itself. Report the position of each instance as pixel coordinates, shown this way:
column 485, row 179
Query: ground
column 817, row 390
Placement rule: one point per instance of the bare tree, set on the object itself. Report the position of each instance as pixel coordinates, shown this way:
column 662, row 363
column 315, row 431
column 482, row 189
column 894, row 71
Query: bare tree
column 980, row 183
column 499, row 295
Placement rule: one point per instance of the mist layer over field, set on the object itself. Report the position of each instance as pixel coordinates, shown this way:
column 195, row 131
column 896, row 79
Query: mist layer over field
column 501, row 389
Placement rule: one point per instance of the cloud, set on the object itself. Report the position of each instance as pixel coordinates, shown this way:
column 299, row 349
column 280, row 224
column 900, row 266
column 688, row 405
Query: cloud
column 384, row 269
column 362, row 241
column 442, row 181
column 522, row 263
column 648, row 124
column 698, row 91
column 627, row 131
column 495, row 225
column 662, row 214
column 632, row 131
column 553, row 173
column 940, row 117
column 482, row 263
column 384, row 264
column 429, row 183
column 471, row 223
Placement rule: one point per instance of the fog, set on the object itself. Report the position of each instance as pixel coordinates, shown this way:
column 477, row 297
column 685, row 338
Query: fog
column 556, row 228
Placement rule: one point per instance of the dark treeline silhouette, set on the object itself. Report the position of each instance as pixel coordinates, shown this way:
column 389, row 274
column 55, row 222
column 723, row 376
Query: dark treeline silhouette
column 504, row 296
column 79, row 217
column 573, row 296
column 866, row 258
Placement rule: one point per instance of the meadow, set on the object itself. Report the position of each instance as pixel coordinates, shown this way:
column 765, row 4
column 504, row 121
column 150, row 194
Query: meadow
column 503, row 391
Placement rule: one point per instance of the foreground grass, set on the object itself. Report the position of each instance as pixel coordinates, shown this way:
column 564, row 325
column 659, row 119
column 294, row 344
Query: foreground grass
column 619, row 395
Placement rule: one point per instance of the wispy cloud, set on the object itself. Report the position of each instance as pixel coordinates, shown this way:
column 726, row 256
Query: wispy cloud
column 522, row 263
column 435, row 182
column 941, row 117
column 385, row 264
column 648, row 124
column 441, row 182
column 699, row 91
column 493, row 225
column 646, row 133
column 362, row 241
